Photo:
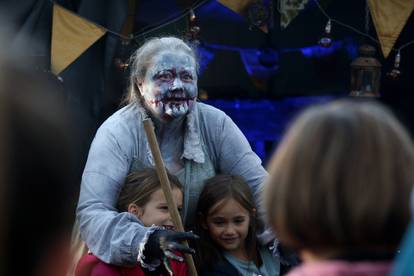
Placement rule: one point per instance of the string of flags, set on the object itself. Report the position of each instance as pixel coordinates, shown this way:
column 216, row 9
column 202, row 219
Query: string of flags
column 72, row 35
column 389, row 17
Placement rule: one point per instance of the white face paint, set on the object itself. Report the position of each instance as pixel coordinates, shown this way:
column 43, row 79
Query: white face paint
column 169, row 87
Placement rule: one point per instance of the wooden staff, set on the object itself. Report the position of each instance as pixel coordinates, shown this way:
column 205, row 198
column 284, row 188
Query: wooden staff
column 166, row 188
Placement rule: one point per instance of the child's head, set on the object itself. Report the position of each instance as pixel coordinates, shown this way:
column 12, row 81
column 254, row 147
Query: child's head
column 142, row 196
column 227, row 215
column 340, row 180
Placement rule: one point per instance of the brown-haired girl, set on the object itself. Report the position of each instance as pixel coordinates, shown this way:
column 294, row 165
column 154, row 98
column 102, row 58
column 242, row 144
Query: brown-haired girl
column 227, row 224
column 339, row 188
column 144, row 199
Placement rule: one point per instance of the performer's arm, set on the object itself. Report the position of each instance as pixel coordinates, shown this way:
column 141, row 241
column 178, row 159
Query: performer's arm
column 111, row 236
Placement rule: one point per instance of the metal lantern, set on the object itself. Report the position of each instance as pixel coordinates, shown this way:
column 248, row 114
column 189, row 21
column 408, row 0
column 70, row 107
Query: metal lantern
column 365, row 73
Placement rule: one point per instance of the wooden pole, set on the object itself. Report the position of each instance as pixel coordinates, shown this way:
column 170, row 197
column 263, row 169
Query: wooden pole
column 166, row 188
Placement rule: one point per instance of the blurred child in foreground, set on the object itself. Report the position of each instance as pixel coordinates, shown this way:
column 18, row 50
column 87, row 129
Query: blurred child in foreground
column 339, row 188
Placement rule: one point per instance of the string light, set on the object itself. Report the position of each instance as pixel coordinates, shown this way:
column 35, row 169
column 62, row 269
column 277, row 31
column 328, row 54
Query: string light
column 153, row 27
column 192, row 15
column 158, row 25
column 395, row 72
column 326, row 40
column 343, row 24
column 193, row 29
column 358, row 31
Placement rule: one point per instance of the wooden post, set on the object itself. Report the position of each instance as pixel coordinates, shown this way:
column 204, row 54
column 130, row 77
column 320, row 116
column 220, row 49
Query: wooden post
column 166, row 188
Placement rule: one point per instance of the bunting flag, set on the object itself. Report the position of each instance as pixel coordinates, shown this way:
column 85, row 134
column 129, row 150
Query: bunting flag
column 71, row 36
column 289, row 9
column 238, row 6
column 389, row 17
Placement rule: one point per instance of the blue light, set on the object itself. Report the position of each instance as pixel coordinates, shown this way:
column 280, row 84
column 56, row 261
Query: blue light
column 255, row 67
column 318, row 51
column 260, row 63
column 270, row 117
column 205, row 56
column 216, row 10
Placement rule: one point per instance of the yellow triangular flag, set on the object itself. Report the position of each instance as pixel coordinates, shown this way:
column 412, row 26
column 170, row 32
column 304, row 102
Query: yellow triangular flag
column 389, row 18
column 71, row 36
column 238, row 6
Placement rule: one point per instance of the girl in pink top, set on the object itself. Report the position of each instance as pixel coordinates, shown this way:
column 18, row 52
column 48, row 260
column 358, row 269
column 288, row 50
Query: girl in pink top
column 144, row 200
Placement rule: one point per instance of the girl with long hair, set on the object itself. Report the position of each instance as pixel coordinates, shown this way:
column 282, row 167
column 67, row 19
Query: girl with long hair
column 227, row 223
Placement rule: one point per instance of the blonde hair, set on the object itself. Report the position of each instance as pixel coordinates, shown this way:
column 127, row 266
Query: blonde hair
column 341, row 179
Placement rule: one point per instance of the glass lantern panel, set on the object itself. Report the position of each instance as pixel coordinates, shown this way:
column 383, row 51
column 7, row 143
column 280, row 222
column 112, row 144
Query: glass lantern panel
column 367, row 81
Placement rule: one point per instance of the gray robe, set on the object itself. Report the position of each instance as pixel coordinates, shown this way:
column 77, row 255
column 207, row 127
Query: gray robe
column 212, row 144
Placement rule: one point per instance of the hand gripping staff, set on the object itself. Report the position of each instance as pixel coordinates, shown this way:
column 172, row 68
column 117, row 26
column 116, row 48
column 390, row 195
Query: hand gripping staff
column 166, row 188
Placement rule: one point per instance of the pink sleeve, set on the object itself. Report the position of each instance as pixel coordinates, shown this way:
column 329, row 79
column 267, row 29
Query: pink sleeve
column 180, row 269
column 85, row 265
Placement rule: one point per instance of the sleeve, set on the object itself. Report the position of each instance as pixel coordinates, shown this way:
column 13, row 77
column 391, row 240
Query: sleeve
column 111, row 236
column 235, row 156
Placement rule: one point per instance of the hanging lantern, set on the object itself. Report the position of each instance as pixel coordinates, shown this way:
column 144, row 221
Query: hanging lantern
column 365, row 73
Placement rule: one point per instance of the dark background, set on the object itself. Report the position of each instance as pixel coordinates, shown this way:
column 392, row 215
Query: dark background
column 261, row 80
